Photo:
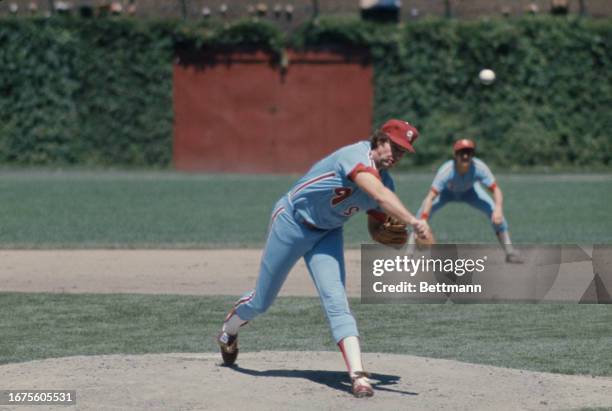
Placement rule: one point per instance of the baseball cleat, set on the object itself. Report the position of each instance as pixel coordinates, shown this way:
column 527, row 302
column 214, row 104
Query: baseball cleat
column 514, row 258
column 228, row 344
column 361, row 386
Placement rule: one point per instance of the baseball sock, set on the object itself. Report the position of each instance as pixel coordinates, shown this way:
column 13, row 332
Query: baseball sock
column 411, row 244
column 506, row 242
column 232, row 324
column 351, row 352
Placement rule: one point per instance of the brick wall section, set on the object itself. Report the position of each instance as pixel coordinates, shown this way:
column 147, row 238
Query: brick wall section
column 303, row 9
column 236, row 112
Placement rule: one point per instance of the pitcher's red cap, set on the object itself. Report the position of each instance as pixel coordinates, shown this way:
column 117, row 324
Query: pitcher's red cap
column 463, row 144
column 401, row 133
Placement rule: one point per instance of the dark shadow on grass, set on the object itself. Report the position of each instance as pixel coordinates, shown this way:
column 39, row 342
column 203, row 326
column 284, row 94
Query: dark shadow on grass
column 337, row 380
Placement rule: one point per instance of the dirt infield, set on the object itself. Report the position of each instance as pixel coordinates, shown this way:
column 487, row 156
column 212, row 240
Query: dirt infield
column 300, row 381
column 262, row 380
column 195, row 272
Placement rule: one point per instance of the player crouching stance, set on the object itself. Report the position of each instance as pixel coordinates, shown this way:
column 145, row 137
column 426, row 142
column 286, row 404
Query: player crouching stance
column 307, row 222
column 456, row 181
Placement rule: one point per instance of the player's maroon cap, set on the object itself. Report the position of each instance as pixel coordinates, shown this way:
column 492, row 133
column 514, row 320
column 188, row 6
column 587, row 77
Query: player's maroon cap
column 401, row 133
column 463, row 144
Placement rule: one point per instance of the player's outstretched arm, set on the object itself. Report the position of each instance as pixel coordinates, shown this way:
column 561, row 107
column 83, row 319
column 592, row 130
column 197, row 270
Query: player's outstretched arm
column 498, row 212
column 427, row 203
column 389, row 202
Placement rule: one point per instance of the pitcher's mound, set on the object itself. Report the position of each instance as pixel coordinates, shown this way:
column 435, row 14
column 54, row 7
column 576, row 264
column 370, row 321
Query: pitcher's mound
column 299, row 380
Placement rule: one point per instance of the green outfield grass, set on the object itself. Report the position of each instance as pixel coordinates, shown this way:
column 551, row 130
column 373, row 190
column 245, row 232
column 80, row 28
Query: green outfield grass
column 172, row 210
column 556, row 338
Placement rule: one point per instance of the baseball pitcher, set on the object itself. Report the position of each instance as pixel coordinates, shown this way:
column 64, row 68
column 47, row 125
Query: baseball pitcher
column 307, row 222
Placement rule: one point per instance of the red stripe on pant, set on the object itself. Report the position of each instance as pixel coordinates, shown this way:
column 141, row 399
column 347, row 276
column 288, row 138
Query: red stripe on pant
column 274, row 215
column 239, row 303
column 341, row 346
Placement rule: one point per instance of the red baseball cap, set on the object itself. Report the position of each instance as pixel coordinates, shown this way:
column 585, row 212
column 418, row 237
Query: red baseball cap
column 401, row 133
column 463, row 144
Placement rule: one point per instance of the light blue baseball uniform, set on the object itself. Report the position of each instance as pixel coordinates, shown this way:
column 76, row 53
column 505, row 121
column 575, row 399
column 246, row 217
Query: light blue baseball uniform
column 307, row 222
column 452, row 186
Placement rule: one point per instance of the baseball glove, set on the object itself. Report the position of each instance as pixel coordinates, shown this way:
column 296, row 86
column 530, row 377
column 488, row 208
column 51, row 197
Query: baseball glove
column 392, row 233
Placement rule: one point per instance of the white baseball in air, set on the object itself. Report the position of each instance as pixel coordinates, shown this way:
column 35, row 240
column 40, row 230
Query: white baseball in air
column 486, row 76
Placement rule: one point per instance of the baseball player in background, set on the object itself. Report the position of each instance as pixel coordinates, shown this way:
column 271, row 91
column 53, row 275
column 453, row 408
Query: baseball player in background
column 460, row 179
column 307, row 222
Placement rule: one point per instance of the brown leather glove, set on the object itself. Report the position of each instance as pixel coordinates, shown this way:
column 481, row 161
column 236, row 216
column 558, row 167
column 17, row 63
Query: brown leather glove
column 392, row 233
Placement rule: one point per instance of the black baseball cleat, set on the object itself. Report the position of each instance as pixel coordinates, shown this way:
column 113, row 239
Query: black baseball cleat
column 228, row 344
column 514, row 258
